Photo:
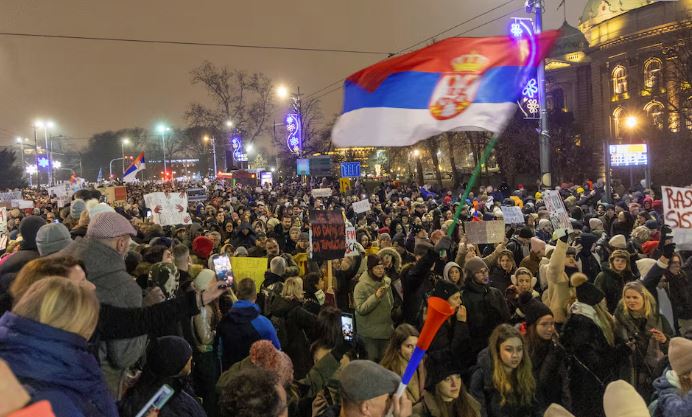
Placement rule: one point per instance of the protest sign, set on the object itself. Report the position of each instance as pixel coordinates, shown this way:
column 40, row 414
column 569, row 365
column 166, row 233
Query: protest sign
column 512, row 215
column 196, row 194
column 351, row 241
column 22, row 204
column 677, row 213
column 485, row 232
column 114, row 194
column 3, row 228
column 321, row 192
column 11, row 195
column 168, row 209
column 327, row 234
column 361, row 206
column 344, row 185
column 253, row 268
column 558, row 213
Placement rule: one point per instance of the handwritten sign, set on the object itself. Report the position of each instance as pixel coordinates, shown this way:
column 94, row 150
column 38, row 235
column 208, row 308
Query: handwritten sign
column 196, row 194
column 168, row 209
column 361, row 206
column 351, row 241
column 558, row 213
column 327, row 235
column 253, row 268
column 321, row 192
column 512, row 215
column 485, row 232
column 677, row 213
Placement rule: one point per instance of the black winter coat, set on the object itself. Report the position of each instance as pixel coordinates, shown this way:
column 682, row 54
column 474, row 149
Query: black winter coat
column 486, row 308
column 593, row 364
column 11, row 266
column 299, row 327
column 416, row 281
column 550, row 371
column 612, row 283
column 500, row 279
column 181, row 404
column 483, row 390
column 517, row 250
column 678, row 287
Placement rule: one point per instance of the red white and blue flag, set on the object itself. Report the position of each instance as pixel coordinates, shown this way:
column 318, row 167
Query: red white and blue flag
column 454, row 84
column 138, row 164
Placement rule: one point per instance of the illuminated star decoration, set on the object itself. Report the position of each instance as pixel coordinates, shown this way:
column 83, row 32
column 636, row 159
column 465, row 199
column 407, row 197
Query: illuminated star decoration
column 43, row 162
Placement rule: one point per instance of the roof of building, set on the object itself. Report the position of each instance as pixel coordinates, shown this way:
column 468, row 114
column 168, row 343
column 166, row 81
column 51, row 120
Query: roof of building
column 571, row 40
column 596, row 11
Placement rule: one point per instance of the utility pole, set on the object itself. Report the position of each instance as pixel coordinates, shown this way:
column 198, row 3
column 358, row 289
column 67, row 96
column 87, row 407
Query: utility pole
column 544, row 138
column 38, row 174
column 213, row 151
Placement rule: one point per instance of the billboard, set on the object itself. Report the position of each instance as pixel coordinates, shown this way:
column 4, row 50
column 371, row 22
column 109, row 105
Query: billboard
column 628, row 155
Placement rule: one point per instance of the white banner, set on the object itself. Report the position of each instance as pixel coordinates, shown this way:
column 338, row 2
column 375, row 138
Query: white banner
column 677, row 212
column 168, row 209
column 558, row 213
column 361, row 206
column 512, row 215
column 321, row 192
column 22, row 204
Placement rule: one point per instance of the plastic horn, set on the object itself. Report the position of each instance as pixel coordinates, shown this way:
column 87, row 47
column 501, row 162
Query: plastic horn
column 438, row 311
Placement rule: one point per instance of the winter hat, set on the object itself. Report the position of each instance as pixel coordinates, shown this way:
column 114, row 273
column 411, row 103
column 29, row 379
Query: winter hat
column 526, row 233
column 264, row 355
column 240, row 252
column 362, row 380
column 28, row 228
column 618, row 242
column 76, row 208
column 444, row 289
column 475, row 264
column 556, row 410
column 100, row 208
column 595, row 223
column 51, row 238
column 203, row 279
column 537, row 245
column 644, row 266
column 165, row 276
column 168, row 355
column 622, row 400
column 587, row 293
column 680, row 355
column 421, row 248
column 651, row 224
column 532, row 308
column 278, row 266
column 438, row 366
column 109, row 225
column 202, row 246
column 373, row 261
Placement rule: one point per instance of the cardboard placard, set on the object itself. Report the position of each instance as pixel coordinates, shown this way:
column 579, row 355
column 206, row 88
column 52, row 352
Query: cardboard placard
column 351, row 241
column 253, row 268
column 677, row 213
column 492, row 231
column 361, row 206
column 344, row 185
column 168, row 209
column 321, row 192
column 327, row 234
column 512, row 215
column 196, row 194
column 558, row 213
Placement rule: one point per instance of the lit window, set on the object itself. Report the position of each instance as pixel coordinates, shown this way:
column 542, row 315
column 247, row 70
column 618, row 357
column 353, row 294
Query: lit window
column 655, row 111
column 619, row 80
column 617, row 122
column 653, row 74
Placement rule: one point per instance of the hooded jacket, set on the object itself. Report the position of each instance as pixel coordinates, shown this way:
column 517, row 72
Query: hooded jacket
column 239, row 329
column 56, row 366
column 241, row 239
column 373, row 315
column 612, row 284
column 670, row 402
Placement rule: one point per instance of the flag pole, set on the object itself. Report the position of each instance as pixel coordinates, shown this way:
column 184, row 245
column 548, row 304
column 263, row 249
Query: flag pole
column 472, row 181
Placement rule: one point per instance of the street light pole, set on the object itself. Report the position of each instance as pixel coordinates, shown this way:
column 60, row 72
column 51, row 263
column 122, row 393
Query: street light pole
column 544, row 137
column 38, row 176
column 123, row 142
column 21, row 145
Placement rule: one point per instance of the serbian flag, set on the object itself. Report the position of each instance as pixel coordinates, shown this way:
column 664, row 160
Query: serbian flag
column 454, row 84
column 138, row 164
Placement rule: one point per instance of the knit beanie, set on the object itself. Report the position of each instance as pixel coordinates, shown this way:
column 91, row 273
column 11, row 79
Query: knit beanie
column 444, row 289
column 532, row 308
column 76, row 208
column 438, row 366
column 651, row 224
column 51, row 238
column 474, row 265
column 622, row 400
column 168, row 355
column 587, row 293
column 100, row 208
column 28, row 228
column 526, row 233
column 680, row 355
column 556, row 410
column 264, row 355
column 644, row 266
column 618, row 242
column 595, row 223
column 537, row 245
column 202, row 246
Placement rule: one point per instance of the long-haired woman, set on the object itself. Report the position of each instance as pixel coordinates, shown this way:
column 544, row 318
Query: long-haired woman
column 503, row 382
column 637, row 320
column 396, row 357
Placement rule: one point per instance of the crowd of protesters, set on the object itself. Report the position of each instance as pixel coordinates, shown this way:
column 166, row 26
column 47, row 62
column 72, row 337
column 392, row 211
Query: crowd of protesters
column 100, row 307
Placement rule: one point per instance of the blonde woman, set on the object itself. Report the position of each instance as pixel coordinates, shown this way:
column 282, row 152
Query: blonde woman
column 44, row 341
column 295, row 325
column 503, row 383
column 637, row 320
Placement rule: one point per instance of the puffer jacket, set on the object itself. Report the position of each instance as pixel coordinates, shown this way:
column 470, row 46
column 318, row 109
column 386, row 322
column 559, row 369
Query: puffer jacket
column 373, row 315
column 670, row 403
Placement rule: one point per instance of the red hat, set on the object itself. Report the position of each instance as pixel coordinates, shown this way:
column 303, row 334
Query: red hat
column 202, row 246
column 649, row 246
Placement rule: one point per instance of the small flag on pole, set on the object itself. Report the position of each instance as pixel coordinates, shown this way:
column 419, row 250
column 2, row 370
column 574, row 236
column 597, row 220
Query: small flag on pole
column 138, row 165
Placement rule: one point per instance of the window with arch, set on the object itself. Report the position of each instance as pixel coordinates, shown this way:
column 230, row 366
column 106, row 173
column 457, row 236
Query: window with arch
column 653, row 74
column 655, row 111
column 619, row 80
column 617, row 119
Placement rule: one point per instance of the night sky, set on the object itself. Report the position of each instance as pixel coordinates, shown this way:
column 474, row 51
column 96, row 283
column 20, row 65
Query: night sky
column 90, row 86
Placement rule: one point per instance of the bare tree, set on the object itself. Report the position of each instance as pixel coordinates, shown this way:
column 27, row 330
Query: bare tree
column 433, row 144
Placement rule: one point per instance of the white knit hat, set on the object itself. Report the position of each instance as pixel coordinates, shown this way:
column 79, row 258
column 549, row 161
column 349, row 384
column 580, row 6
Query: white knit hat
column 556, row 410
column 622, row 400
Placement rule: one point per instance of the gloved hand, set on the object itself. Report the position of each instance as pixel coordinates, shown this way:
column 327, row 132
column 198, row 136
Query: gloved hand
column 665, row 231
column 444, row 244
column 668, row 250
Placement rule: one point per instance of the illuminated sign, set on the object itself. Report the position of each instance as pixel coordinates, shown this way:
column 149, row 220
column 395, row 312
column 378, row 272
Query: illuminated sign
column 628, row 155
column 237, row 145
column 522, row 30
column 294, row 140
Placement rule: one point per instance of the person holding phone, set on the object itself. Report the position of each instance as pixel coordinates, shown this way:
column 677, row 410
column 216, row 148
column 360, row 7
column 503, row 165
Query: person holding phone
column 373, row 307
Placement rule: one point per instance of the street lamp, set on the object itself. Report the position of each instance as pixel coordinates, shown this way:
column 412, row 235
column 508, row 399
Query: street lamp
column 162, row 129
column 229, row 123
column 45, row 125
column 282, row 92
column 123, row 142
column 631, row 122
column 213, row 146
column 248, row 148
